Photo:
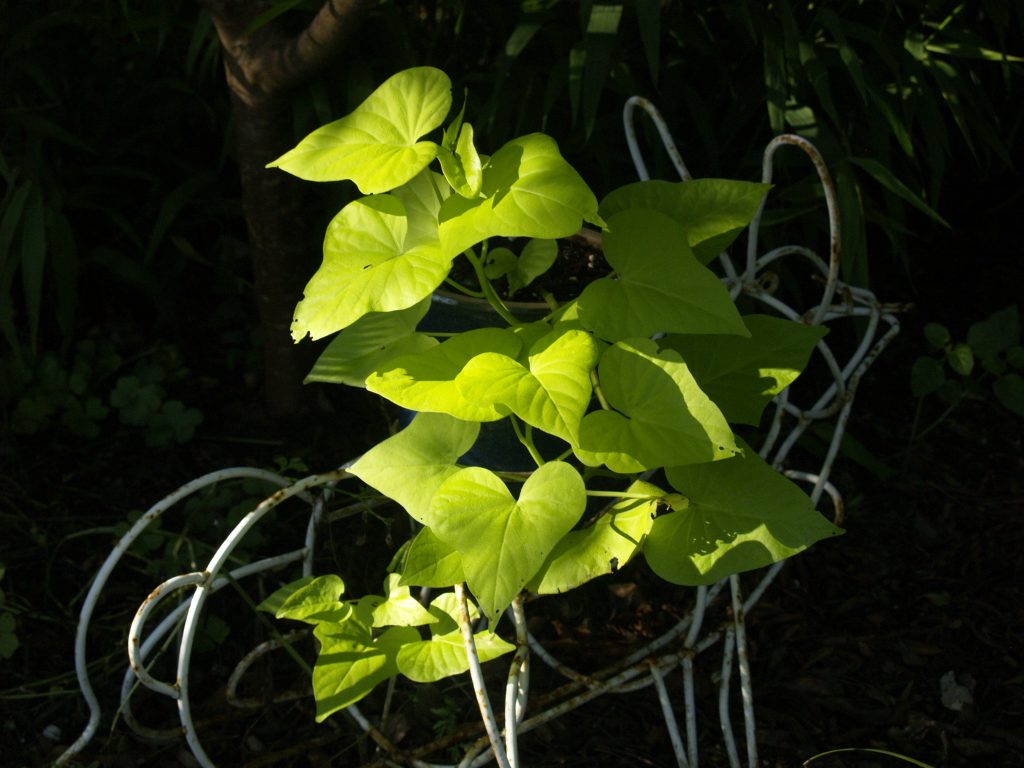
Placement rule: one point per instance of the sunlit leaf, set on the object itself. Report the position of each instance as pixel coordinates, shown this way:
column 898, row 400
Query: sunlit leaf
column 528, row 190
column 410, row 466
column 366, row 268
column 659, row 285
column 711, row 212
column 603, row 547
column 400, row 608
column 504, row 540
column 377, row 146
column 661, row 416
column 431, row 563
column 355, row 352
column 742, row 514
column 445, row 655
column 427, row 381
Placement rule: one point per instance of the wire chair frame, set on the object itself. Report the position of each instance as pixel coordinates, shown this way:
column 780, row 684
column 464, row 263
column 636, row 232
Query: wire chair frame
column 649, row 666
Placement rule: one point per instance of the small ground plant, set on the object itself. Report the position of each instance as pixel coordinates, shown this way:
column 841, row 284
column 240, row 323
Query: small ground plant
column 635, row 383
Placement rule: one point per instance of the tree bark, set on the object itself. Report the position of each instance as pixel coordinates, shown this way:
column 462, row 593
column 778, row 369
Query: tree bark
column 261, row 69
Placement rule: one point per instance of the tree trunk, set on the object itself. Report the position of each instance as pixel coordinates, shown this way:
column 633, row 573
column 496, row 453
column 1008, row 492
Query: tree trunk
column 261, row 69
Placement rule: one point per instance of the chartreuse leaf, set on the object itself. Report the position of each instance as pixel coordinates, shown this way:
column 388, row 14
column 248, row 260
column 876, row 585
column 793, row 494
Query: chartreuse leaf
column 551, row 394
column 504, row 541
column 400, row 609
column 445, row 607
column 660, row 285
column 431, row 563
column 366, row 268
column 536, row 259
column 355, row 352
column 742, row 375
column 461, row 164
column 422, row 199
column 528, row 190
column 712, row 212
column 427, row 381
column 410, row 466
column 742, row 514
column 445, row 655
column 377, row 146
column 661, row 416
column 311, row 599
column 604, row 547
column 351, row 663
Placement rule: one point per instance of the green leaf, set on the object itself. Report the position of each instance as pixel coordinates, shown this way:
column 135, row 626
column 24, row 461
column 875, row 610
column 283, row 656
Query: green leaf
column 431, row 563
column 350, row 665
column 712, row 212
column 377, row 146
column 355, row 352
column 499, row 262
column 1009, row 391
column 536, row 259
column 445, row 655
column 412, row 465
column 136, row 402
column 995, row 334
column 528, row 190
column 551, row 394
column 660, row 286
column 926, row 376
column 662, row 417
column 400, row 608
column 504, row 541
column 427, row 381
column 961, row 359
column 937, row 335
column 742, row 515
column 887, row 179
column 602, row 548
column 367, row 268
column 742, row 375
column 461, row 166
column 311, row 599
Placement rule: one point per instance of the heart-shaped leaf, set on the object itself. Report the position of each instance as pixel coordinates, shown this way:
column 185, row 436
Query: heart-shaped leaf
column 445, row 655
column 355, row 352
column 411, row 465
column 350, row 666
column 400, row 609
column 427, row 381
column 310, row 599
column 377, row 146
column 659, row 287
column 712, row 212
column 528, row 190
column 662, row 417
column 431, row 563
column 366, row 268
column 504, row 541
column 552, row 394
column 742, row 375
column 603, row 547
column 742, row 514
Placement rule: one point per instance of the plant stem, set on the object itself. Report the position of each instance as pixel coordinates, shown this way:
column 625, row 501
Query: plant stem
column 488, row 290
column 463, row 289
column 624, row 495
column 596, row 383
column 526, row 438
